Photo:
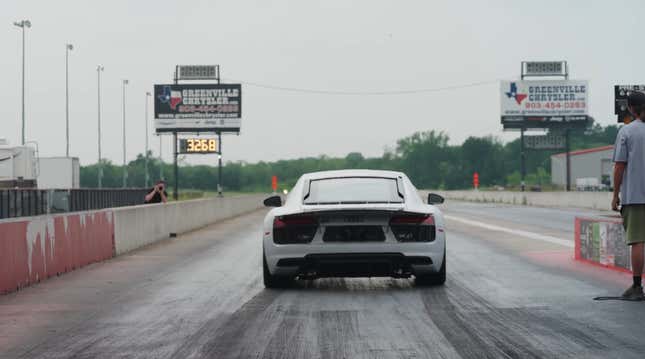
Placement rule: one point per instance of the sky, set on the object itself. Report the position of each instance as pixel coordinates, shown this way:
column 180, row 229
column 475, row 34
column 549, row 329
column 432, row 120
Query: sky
column 331, row 45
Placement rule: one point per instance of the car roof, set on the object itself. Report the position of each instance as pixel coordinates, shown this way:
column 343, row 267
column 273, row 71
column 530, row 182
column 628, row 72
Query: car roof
column 352, row 173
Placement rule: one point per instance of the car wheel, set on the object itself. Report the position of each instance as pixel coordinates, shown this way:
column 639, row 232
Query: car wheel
column 273, row 281
column 434, row 279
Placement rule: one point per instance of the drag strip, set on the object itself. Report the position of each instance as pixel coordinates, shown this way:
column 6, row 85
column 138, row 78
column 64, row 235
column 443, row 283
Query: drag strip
column 200, row 296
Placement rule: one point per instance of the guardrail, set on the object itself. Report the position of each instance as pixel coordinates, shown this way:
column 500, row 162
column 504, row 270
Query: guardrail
column 35, row 202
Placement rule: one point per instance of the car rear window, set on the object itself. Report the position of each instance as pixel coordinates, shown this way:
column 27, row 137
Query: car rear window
column 348, row 190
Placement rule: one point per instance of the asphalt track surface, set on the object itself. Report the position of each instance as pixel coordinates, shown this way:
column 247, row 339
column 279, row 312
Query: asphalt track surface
column 200, row 296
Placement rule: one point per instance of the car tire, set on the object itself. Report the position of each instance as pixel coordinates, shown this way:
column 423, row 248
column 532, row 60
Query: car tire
column 273, row 281
column 434, row 279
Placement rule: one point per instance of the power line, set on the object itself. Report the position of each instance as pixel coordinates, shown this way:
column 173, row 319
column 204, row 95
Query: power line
column 364, row 93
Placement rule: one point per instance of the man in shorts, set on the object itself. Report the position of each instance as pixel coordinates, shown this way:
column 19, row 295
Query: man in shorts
column 629, row 182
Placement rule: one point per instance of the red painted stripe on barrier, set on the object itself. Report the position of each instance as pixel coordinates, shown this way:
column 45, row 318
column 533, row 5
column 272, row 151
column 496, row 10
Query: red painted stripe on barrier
column 13, row 256
column 40, row 247
column 606, row 266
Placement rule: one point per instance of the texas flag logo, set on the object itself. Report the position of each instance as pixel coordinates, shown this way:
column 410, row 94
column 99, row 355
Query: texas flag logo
column 512, row 93
column 170, row 97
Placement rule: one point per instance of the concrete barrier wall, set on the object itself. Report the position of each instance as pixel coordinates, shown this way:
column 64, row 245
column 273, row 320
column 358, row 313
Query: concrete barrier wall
column 138, row 226
column 601, row 241
column 590, row 200
column 35, row 248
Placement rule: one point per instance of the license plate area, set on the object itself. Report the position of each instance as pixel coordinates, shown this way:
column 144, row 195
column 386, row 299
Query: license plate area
column 353, row 233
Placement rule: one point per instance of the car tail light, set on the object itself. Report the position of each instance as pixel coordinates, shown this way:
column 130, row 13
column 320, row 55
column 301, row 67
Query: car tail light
column 294, row 229
column 413, row 228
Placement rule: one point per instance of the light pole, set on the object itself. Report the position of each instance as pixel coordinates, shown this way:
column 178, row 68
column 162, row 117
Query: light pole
column 23, row 24
column 99, row 69
column 148, row 94
column 125, row 169
column 68, row 48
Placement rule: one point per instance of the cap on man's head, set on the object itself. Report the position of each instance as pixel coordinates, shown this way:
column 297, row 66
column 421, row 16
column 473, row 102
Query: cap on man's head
column 636, row 98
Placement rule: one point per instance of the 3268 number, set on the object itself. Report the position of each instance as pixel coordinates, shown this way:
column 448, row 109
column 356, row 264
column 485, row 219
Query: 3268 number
column 201, row 145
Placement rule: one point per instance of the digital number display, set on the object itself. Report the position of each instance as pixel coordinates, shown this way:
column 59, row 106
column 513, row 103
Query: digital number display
column 545, row 68
column 198, row 72
column 198, row 145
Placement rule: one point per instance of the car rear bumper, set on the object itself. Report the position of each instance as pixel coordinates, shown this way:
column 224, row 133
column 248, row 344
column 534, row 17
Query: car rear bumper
column 355, row 260
column 353, row 265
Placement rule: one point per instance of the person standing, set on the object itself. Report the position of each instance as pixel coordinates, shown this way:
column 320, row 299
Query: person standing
column 629, row 187
column 158, row 193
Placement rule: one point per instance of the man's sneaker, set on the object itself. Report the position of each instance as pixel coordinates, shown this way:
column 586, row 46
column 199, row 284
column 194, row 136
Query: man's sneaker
column 634, row 293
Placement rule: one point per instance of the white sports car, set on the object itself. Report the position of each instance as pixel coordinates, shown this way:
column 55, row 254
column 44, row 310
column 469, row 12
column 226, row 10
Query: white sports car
column 354, row 223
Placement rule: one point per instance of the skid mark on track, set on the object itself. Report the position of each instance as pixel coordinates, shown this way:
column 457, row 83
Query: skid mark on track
column 290, row 338
column 334, row 327
column 330, row 318
column 227, row 341
column 477, row 329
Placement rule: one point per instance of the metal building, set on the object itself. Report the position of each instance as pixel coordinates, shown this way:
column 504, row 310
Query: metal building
column 589, row 168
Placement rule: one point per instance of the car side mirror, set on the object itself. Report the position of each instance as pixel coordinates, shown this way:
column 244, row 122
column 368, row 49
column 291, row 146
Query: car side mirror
column 273, row 201
column 434, row 198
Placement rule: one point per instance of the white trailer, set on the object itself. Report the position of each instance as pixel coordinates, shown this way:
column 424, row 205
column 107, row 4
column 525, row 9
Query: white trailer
column 18, row 163
column 59, row 173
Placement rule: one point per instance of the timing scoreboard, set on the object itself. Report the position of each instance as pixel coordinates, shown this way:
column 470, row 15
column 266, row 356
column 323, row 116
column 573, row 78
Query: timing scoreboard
column 544, row 68
column 621, row 92
column 198, row 145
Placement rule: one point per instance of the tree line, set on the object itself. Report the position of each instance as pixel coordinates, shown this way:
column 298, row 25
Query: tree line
column 426, row 156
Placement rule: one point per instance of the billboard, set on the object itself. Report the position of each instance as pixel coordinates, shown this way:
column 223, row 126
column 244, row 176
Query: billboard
column 620, row 100
column 198, row 107
column 544, row 104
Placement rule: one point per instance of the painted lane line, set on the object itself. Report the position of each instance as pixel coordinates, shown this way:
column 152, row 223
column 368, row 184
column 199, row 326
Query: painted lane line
column 518, row 232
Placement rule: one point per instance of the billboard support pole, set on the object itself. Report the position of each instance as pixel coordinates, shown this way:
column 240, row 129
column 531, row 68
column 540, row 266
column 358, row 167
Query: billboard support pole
column 525, row 72
column 522, row 160
column 175, row 192
column 219, row 166
column 568, row 151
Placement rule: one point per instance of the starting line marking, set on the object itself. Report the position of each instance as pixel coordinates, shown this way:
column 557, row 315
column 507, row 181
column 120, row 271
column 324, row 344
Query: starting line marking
column 518, row 232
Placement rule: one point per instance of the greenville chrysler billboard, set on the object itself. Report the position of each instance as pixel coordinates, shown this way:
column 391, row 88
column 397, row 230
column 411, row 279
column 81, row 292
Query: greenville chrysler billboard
column 544, row 103
column 198, row 108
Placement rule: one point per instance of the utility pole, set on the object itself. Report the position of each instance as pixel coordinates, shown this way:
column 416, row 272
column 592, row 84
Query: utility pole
column 23, row 24
column 99, row 69
column 68, row 48
column 148, row 94
column 125, row 169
